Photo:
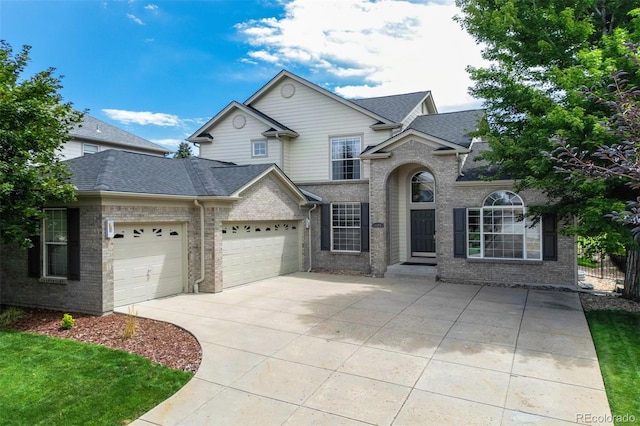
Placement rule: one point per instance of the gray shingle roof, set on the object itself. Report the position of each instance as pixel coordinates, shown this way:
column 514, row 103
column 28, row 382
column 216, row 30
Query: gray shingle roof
column 94, row 129
column 394, row 107
column 475, row 169
column 452, row 127
column 120, row 171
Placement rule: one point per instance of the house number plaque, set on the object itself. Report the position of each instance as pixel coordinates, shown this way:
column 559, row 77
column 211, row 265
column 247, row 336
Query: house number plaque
column 377, row 225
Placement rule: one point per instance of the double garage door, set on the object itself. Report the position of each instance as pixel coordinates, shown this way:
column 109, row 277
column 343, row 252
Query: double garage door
column 253, row 251
column 148, row 263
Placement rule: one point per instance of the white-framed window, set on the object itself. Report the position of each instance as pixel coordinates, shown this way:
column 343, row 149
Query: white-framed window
column 422, row 188
column 345, row 164
column 88, row 148
column 55, row 243
column 259, row 148
column 501, row 230
column 345, row 227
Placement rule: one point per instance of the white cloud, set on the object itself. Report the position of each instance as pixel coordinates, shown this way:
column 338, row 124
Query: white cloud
column 151, row 7
column 143, row 117
column 135, row 19
column 389, row 46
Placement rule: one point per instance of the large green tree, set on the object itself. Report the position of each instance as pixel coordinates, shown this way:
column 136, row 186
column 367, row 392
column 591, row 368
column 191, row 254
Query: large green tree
column 542, row 55
column 184, row 151
column 34, row 123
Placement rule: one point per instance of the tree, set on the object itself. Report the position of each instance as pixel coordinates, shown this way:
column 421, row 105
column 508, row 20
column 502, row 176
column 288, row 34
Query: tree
column 541, row 56
column 619, row 161
column 184, row 151
column 34, row 123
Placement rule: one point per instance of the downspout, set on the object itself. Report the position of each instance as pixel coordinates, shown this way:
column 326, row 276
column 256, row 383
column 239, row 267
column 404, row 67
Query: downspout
column 196, row 284
column 309, row 219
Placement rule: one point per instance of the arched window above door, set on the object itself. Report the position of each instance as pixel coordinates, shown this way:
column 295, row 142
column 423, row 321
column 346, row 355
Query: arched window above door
column 422, row 188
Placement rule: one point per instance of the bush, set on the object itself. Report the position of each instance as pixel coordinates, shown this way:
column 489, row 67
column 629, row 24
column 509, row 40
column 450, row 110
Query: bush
column 67, row 321
column 10, row 315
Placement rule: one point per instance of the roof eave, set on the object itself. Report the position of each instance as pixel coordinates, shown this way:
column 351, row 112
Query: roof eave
column 375, row 155
column 277, row 133
column 122, row 144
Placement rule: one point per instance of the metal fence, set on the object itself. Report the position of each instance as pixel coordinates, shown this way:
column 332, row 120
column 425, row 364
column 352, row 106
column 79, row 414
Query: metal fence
column 600, row 265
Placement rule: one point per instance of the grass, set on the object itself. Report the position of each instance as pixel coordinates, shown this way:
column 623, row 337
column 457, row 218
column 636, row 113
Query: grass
column 616, row 335
column 52, row 381
column 587, row 262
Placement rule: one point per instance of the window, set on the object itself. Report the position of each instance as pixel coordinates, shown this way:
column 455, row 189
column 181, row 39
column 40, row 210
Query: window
column 89, row 148
column 345, row 227
column 55, row 243
column 422, row 188
column 259, row 149
column 344, row 162
column 499, row 229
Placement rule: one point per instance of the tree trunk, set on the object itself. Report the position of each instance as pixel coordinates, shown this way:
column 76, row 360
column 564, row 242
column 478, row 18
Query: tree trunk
column 632, row 276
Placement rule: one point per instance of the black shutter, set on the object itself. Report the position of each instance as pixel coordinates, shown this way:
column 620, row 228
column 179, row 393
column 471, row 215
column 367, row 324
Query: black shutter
column 73, row 244
column 364, row 226
column 549, row 237
column 325, row 227
column 33, row 257
column 460, row 232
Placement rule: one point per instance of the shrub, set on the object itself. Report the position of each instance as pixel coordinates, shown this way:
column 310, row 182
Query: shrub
column 10, row 315
column 67, row 321
column 130, row 324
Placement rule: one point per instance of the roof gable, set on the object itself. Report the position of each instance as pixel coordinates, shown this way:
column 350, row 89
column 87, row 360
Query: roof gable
column 203, row 135
column 284, row 74
column 90, row 128
column 395, row 107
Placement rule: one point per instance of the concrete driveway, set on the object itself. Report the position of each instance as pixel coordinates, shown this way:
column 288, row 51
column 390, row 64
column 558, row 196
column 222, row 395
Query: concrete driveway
column 316, row 349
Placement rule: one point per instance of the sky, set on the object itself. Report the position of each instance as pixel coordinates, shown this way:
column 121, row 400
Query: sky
column 160, row 69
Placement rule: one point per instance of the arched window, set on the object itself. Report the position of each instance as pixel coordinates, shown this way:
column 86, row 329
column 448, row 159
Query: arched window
column 422, row 188
column 500, row 229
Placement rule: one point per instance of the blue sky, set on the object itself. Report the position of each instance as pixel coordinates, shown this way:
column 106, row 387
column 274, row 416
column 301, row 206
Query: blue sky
column 160, row 69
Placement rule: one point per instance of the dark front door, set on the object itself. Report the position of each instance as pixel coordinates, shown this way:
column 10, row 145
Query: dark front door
column 423, row 231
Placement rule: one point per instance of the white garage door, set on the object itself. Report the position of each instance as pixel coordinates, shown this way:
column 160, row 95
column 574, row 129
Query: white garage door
column 254, row 251
column 148, row 262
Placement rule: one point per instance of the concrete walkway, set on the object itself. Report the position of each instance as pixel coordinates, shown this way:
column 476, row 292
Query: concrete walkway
column 315, row 349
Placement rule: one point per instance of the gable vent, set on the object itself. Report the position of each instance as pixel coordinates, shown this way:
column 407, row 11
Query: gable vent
column 239, row 121
column 287, row 90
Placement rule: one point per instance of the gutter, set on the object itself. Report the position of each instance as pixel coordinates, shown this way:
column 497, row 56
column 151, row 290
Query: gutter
column 315, row 206
column 196, row 284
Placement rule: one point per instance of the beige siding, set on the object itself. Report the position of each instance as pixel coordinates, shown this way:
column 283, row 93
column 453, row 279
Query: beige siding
column 234, row 145
column 71, row 149
column 315, row 117
column 416, row 112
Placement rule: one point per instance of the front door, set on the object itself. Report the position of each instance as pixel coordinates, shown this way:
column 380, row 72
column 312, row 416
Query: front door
column 423, row 232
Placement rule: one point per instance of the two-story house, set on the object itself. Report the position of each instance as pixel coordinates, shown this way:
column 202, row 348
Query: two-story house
column 295, row 178
column 92, row 135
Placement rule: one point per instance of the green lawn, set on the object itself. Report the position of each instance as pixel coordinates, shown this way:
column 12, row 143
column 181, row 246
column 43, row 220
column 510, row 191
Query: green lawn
column 616, row 335
column 51, row 381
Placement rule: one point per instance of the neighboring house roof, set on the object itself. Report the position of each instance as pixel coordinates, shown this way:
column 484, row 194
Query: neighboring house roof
column 452, row 127
column 127, row 172
column 395, row 107
column 92, row 129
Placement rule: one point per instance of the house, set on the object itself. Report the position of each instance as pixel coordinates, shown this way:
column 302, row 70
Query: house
column 92, row 135
column 295, row 178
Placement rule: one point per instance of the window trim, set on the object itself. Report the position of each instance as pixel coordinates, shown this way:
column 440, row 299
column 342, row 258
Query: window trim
column 356, row 208
column 46, row 244
column 85, row 145
column 253, row 148
column 356, row 157
column 527, row 232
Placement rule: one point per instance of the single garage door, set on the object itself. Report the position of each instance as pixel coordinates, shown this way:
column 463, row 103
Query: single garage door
column 148, row 261
column 254, row 251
